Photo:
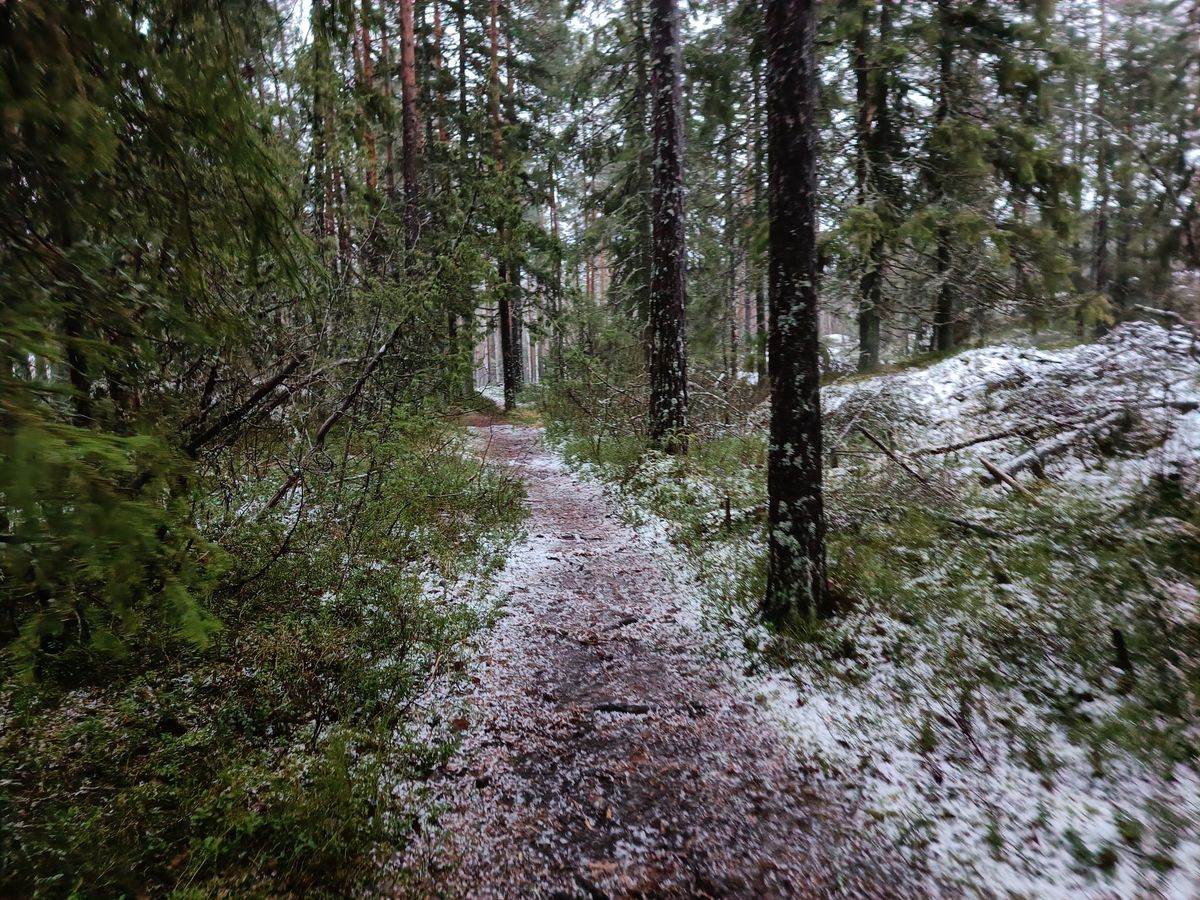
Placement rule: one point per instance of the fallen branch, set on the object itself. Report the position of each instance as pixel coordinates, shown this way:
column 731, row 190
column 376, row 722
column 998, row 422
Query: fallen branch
column 616, row 706
column 238, row 413
column 334, row 417
column 908, row 470
column 1001, row 476
column 980, row 528
column 1021, row 431
column 1034, row 457
column 1167, row 314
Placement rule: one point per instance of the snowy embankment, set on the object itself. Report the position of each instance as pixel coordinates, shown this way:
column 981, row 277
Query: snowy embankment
column 1009, row 788
column 997, row 403
column 1009, row 695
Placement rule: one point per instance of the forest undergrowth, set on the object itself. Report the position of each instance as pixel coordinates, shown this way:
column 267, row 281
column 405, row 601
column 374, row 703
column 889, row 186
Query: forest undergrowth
column 1010, row 694
column 264, row 762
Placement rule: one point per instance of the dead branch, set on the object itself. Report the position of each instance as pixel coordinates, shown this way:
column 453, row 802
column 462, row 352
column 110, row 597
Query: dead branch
column 907, row 469
column 1038, row 454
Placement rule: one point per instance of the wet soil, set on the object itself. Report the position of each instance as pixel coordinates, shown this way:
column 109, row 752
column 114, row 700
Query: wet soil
column 605, row 752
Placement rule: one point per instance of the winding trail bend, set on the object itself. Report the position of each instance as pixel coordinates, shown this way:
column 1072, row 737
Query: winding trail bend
column 604, row 755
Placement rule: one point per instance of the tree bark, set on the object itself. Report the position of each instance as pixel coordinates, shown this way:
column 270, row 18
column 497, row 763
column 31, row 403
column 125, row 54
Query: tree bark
column 639, row 136
column 461, row 13
column 796, row 582
column 668, row 349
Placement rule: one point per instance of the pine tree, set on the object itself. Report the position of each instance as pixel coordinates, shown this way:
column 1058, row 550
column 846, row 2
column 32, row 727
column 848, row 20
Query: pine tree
column 668, row 350
column 796, row 581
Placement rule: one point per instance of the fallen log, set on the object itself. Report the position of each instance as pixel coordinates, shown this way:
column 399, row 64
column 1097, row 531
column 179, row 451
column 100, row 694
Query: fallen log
column 1168, row 315
column 1034, row 457
column 1021, row 431
column 1001, row 476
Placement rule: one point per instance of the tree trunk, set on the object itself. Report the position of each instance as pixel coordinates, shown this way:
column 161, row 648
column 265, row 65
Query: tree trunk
column 668, row 350
column 508, row 346
column 731, row 252
column 1100, row 266
column 639, row 136
column 796, row 583
column 559, row 340
column 462, row 72
column 515, row 287
column 412, row 126
column 389, row 138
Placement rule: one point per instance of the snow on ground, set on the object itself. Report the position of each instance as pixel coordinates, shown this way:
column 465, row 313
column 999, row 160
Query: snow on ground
column 493, row 392
column 603, row 754
column 946, row 745
column 996, row 390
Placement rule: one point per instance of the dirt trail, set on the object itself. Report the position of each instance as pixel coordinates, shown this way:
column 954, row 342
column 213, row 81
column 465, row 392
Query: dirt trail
column 604, row 755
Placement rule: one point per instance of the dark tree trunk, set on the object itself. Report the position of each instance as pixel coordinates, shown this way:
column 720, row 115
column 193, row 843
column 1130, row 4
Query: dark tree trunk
column 439, row 104
column 515, row 288
column 517, row 304
column 1100, row 266
column 412, row 126
column 509, row 363
column 508, row 350
column 668, row 349
column 640, row 138
column 368, row 87
column 558, row 291
column 796, row 584
column 461, row 12
column 731, row 252
column 882, row 148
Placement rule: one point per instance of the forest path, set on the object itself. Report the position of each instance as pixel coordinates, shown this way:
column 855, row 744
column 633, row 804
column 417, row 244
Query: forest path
column 604, row 756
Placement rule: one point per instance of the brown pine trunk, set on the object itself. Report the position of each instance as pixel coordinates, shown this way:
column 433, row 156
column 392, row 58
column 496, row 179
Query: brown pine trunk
column 462, row 72
column 668, row 348
column 412, row 126
column 796, row 584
